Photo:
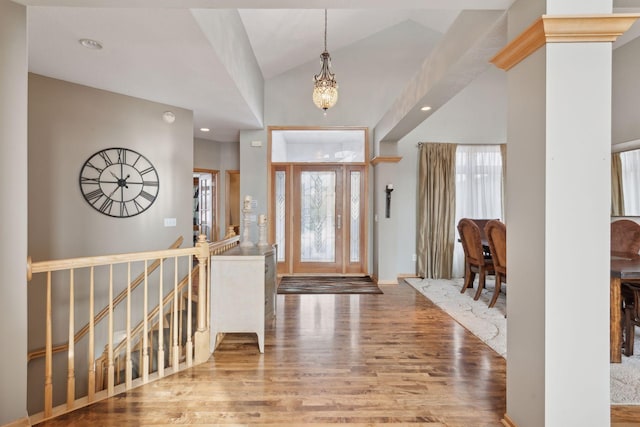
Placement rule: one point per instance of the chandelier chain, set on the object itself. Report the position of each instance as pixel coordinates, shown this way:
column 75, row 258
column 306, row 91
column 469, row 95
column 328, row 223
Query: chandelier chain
column 325, row 30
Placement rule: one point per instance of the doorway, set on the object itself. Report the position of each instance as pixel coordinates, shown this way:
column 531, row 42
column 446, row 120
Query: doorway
column 232, row 202
column 205, row 204
column 318, row 209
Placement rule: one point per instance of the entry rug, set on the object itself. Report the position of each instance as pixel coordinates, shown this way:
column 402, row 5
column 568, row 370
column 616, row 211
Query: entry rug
column 490, row 325
column 327, row 285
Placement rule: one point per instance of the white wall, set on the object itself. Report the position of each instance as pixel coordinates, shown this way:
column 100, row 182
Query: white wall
column 67, row 124
column 626, row 93
column 13, row 227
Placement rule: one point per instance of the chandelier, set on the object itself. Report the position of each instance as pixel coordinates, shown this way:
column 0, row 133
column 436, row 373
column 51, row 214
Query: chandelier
column 325, row 87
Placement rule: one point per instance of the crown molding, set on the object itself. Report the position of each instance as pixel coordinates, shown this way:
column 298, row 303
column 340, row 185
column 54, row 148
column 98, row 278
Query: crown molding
column 385, row 159
column 563, row 29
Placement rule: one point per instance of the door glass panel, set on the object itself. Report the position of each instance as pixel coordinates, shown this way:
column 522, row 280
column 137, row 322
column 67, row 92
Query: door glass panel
column 354, row 228
column 318, row 146
column 281, row 211
column 317, row 214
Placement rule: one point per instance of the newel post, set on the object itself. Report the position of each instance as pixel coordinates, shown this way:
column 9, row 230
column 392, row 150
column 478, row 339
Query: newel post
column 202, row 334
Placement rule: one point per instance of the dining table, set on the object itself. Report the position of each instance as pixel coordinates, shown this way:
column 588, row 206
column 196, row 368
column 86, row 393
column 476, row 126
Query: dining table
column 625, row 267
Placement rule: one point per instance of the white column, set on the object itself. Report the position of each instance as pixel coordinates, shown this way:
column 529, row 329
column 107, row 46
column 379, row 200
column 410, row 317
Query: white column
column 558, row 205
column 13, row 211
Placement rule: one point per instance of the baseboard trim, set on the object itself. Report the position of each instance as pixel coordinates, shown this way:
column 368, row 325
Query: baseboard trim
column 387, row 282
column 508, row 422
column 408, row 276
column 22, row 422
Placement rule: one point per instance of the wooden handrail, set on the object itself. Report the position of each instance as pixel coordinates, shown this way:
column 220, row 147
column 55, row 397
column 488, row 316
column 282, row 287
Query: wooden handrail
column 101, row 315
column 69, row 263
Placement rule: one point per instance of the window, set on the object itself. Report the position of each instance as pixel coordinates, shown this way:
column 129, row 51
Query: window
column 630, row 161
column 478, row 189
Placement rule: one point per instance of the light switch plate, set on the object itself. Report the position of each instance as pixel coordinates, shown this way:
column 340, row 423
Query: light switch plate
column 169, row 222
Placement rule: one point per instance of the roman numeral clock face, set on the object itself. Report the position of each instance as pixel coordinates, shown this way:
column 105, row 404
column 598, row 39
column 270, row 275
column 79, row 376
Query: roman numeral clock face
column 119, row 182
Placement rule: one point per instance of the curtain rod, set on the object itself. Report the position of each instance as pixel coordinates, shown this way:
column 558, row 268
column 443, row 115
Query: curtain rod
column 420, row 144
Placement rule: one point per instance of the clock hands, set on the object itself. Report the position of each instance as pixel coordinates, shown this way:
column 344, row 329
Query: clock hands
column 122, row 182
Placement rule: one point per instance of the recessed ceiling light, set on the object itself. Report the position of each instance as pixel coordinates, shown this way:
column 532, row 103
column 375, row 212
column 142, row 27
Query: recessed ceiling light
column 91, row 44
column 425, row 108
column 205, row 129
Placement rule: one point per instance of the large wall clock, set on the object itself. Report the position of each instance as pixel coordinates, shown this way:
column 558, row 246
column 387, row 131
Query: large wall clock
column 119, row 182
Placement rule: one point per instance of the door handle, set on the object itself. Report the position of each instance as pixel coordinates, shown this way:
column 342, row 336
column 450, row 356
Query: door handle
column 339, row 221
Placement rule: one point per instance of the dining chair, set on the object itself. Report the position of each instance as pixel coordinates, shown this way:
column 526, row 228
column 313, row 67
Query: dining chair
column 496, row 233
column 631, row 317
column 474, row 259
column 625, row 241
column 481, row 223
column 625, row 236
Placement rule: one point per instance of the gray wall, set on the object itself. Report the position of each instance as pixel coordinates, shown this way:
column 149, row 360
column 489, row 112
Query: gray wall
column 67, row 124
column 253, row 175
column 13, row 227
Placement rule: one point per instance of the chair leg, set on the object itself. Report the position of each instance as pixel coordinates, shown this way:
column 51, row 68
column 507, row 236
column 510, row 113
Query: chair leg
column 483, row 274
column 629, row 332
column 496, row 291
column 469, row 277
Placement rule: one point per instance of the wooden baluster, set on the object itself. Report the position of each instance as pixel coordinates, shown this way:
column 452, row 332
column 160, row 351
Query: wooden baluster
column 176, row 348
column 71, row 371
column 189, row 348
column 91, row 388
column 172, row 332
column 145, row 328
column 207, row 285
column 161, row 323
column 129, row 363
column 110, row 370
column 48, row 367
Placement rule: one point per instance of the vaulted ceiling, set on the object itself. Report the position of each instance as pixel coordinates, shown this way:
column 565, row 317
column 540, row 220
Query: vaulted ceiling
column 215, row 56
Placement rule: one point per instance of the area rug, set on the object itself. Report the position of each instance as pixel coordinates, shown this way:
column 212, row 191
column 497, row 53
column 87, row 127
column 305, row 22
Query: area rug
column 490, row 325
column 327, row 285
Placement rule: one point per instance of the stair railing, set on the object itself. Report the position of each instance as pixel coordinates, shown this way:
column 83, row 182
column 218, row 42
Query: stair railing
column 103, row 313
column 182, row 294
column 201, row 351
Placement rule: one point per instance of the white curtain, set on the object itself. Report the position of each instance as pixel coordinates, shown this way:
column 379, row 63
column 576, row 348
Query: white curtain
column 478, row 190
column 631, row 182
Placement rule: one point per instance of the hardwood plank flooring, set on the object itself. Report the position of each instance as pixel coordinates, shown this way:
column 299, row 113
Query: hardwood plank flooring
column 360, row 360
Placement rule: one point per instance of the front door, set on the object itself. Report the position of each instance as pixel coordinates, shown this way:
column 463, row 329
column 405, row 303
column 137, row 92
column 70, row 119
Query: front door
column 319, row 223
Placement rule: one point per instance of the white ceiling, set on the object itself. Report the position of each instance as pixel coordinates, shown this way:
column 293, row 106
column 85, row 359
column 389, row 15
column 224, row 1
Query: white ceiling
column 156, row 50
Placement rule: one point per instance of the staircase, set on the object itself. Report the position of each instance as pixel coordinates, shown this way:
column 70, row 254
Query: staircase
column 170, row 329
column 173, row 335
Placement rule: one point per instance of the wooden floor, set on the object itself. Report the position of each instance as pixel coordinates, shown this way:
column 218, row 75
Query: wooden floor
column 331, row 359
